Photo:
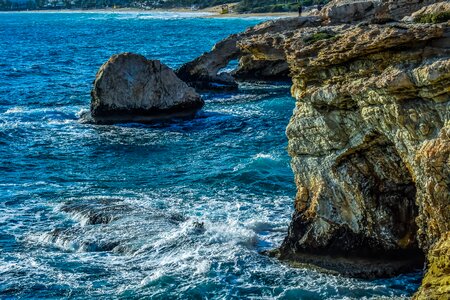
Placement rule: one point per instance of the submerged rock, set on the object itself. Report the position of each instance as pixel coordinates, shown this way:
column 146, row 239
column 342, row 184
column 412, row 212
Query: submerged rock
column 69, row 239
column 119, row 225
column 96, row 212
column 130, row 88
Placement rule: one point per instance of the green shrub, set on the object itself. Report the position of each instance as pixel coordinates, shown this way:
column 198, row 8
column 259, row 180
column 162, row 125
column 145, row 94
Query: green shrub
column 259, row 6
column 433, row 18
column 278, row 8
column 318, row 37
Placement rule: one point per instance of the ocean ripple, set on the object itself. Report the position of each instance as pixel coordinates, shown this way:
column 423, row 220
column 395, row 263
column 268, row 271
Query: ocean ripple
column 173, row 210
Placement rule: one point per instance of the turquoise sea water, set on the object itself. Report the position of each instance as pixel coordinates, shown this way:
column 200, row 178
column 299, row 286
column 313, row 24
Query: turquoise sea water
column 166, row 211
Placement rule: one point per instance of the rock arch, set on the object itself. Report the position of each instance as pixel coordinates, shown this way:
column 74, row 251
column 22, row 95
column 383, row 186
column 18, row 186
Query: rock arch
column 203, row 72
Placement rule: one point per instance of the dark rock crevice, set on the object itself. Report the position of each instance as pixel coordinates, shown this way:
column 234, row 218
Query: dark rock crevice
column 379, row 204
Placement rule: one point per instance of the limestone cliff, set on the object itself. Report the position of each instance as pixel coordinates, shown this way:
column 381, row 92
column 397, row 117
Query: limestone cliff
column 369, row 137
column 205, row 72
column 369, row 140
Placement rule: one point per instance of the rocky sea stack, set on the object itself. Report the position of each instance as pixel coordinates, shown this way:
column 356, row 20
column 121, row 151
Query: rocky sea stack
column 130, row 88
column 369, row 137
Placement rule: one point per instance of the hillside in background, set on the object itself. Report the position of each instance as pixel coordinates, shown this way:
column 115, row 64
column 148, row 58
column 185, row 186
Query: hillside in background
column 244, row 6
column 259, row 6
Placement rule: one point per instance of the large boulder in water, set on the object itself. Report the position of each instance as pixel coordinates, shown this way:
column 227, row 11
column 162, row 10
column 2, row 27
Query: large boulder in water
column 130, row 88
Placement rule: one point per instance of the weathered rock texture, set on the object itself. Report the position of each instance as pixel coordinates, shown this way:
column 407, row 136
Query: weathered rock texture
column 376, row 11
column 204, row 71
column 436, row 284
column 130, row 88
column 433, row 9
column 369, row 140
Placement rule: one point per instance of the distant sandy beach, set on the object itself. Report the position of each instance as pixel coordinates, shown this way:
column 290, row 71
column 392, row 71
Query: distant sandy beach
column 211, row 12
column 253, row 15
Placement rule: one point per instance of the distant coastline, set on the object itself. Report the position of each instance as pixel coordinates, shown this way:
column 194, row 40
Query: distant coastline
column 202, row 13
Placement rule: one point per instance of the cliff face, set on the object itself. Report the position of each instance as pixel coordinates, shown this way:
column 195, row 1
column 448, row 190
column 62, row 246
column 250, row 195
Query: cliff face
column 372, row 115
column 369, row 137
column 369, row 140
column 370, row 144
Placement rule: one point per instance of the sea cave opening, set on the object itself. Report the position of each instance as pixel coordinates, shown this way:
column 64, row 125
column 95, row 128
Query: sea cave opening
column 230, row 68
column 384, row 189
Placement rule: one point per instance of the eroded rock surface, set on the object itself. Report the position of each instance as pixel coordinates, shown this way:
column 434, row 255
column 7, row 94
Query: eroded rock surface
column 268, row 61
column 436, row 284
column 369, row 99
column 376, row 11
column 130, row 88
column 369, row 140
column 433, row 9
column 204, row 71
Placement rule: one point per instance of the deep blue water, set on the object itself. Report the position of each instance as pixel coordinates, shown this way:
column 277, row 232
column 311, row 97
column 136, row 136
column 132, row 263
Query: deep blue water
column 151, row 186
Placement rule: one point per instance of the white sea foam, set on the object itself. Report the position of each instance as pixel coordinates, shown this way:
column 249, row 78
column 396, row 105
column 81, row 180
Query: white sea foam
column 13, row 110
column 174, row 15
column 264, row 156
column 157, row 15
column 202, row 267
column 60, row 122
column 150, row 278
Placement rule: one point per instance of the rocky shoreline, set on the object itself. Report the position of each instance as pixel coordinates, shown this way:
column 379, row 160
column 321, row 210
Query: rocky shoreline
column 369, row 137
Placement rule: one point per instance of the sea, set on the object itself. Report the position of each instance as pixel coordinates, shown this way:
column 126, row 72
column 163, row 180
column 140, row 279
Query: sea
column 174, row 210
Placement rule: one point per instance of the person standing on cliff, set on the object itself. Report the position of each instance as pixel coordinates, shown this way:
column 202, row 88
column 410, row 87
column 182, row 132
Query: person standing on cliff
column 300, row 9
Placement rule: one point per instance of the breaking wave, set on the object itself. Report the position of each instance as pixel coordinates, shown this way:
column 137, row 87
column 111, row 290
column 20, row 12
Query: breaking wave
column 175, row 210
